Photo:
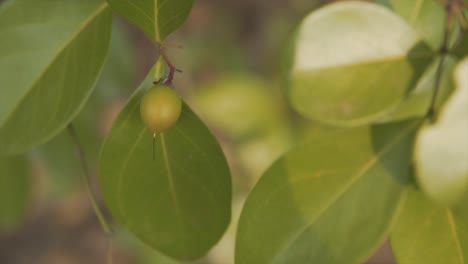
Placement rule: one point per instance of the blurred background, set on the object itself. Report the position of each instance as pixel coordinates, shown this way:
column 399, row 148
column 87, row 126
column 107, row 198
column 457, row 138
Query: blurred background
column 233, row 62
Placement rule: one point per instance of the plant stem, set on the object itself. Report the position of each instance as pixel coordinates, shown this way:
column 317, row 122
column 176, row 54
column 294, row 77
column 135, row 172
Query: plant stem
column 87, row 179
column 109, row 253
column 443, row 51
column 172, row 68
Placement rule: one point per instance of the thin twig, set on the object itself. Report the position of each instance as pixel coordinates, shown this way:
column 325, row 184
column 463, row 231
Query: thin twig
column 87, row 179
column 443, row 51
column 109, row 252
column 172, row 68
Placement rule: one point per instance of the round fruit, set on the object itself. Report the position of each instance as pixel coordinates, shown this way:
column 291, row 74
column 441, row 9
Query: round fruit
column 160, row 108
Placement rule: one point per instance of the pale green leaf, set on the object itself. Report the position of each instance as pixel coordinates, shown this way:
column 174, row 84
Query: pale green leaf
column 240, row 106
column 426, row 233
column 417, row 102
column 51, row 54
column 349, row 68
column 179, row 203
column 331, row 200
column 441, row 152
column 15, row 188
column 425, row 16
column 157, row 18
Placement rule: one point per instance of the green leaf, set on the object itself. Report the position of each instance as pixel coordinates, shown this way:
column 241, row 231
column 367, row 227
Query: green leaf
column 51, row 55
column 15, row 188
column 416, row 104
column 425, row 16
column 384, row 2
column 426, row 233
column 331, row 200
column 179, row 203
column 350, row 68
column 240, row 106
column 157, row 18
column 461, row 48
column 441, row 151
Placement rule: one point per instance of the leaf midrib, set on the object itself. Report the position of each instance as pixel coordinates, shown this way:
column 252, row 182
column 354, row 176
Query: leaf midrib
column 354, row 179
column 453, row 230
column 170, row 175
column 67, row 43
column 415, row 12
column 156, row 18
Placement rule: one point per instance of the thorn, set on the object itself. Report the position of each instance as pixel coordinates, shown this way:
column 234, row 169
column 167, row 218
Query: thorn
column 179, row 70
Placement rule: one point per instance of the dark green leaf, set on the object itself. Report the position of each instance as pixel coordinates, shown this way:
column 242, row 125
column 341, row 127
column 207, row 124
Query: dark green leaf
column 349, row 68
column 179, row 203
column 331, row 200
column 384, row 2
column 51, row 55
column 157, row 18
column 426, row 16
column 15, row 188
column 426, row 233
column 461, row 48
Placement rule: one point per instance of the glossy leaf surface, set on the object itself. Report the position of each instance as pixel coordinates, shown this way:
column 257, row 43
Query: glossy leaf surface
column 180, row 202
column 51, row 55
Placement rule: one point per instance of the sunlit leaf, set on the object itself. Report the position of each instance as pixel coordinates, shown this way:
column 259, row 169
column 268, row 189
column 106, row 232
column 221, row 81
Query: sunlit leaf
column 426, row 16
column 417, row 102
column 180, row 202
column 441, row 152
column 157, row 18
column 15, row 188
column 426, row 233
column 349, row 68
column 331, row 200
column 51, row 54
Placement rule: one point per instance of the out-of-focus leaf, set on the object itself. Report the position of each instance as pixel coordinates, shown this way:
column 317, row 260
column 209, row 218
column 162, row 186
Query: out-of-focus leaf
column 51, row 54
column 426, row 16
column 240, row 106
column 15, row 188
column 441, row 151
column 258, row 154
column 461, row 48
column 349, row 68
column 179, row 203
column 426, row 233
column 384, row 2
column 61, row 167
column 418, row 100
column 119, row 71
column 331, row 200
column 157, row 18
